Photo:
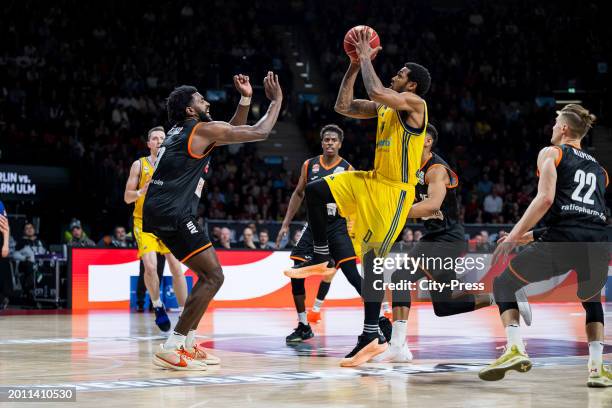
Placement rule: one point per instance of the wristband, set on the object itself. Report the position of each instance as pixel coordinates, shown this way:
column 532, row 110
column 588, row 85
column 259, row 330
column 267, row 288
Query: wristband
column 245, row 101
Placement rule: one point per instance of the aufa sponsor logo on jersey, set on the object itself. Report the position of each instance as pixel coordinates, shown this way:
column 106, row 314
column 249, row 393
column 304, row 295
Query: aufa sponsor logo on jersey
column 384, row 143
column 339, row 169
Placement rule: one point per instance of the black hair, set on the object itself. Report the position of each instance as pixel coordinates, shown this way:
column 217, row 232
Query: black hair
column 155, row 129
column 433, row 133
column 332, row 128
column 420, row 75
column 179, row 99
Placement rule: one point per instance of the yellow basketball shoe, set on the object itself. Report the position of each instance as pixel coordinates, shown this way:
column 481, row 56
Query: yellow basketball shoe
column 600, row 377
column 512, row 359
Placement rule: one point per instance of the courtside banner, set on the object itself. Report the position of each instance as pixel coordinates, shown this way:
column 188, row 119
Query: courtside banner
column 31, row 182
column 101, row 280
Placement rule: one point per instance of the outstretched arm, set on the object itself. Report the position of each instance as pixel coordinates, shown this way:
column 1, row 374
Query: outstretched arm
column 346, row 105
column 242, row 84
column 223, row 133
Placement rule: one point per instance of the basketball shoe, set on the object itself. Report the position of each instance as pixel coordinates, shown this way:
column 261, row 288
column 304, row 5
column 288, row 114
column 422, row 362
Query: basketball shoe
column 300, row 333
column 321, row 265
column 313, row 317
column 198, row 353
column 600, row 377
column 161, row 318
column 369, row 345
column 511, row 359
column 177, row 359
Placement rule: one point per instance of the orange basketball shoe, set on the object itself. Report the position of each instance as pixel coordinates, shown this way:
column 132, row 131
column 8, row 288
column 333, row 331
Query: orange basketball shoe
column 198, row 353
column 313, row 317
column 177, row 359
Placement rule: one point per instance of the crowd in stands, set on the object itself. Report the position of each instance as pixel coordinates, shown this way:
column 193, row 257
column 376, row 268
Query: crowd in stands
column 62, row 104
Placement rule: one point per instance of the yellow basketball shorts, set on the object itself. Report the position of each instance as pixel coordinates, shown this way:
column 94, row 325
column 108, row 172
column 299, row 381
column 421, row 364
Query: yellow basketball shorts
column 376, row 208
column 146, row 241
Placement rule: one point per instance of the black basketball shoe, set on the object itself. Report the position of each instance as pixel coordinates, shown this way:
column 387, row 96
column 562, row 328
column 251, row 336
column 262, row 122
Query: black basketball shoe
column 302, row 332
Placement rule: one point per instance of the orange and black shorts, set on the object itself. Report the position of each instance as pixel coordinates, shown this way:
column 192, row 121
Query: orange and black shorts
column 340, row 245
column 186, row 240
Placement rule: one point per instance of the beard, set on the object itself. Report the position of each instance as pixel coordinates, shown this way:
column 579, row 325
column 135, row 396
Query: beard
column 204, row 117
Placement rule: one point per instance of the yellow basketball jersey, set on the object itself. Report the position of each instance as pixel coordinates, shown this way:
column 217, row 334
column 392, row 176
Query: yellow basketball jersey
column 146, row 172
column 398, row 147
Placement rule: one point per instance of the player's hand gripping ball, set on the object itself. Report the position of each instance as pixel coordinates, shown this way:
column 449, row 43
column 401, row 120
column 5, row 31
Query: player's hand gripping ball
column 361, row 34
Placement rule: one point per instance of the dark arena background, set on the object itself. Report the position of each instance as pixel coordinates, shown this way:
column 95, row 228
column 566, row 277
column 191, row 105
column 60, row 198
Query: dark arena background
column 84, row 84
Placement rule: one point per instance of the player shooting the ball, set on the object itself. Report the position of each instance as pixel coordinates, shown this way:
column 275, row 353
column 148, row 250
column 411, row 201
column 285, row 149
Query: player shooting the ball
column 378, row 200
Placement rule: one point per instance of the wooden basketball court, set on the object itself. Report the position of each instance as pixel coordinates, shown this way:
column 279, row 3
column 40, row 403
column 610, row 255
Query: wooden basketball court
column 107, row 356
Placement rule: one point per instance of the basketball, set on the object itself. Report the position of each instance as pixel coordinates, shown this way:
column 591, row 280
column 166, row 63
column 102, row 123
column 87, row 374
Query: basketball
column 351, row 38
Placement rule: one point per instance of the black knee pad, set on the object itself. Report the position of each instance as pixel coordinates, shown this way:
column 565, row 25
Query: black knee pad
column 594, row 312
column 297, row 287
column 504, row 289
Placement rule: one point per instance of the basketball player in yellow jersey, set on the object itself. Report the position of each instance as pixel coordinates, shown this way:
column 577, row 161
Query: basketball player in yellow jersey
column 378, row 201
column 148, row 244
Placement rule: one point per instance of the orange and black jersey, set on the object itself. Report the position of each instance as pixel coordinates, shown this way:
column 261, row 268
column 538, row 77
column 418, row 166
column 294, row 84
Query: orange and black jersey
column 177, row 183
column 449, row 222
column 316, row 169
column 580, row 190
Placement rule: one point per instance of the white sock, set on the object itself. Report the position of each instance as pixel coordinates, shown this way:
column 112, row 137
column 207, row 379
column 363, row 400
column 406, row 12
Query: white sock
column 398, row 335
column 302, row 318
column 157, row 302
column 491, row 299
column 513, row 333
column 595, row 354
column 317, row 305
column 386, row 307
column 175, row 341
column 190, row 340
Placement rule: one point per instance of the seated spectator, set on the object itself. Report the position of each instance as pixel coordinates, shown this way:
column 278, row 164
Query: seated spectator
column 493, row 205
column 297, row 234
column 78, row 236
column 225, row 238
column 106, row 241
column 216, row 236
column 247, row 239
column 120, row 238
column 264, row 240
column 407, row 236
column 25, row 252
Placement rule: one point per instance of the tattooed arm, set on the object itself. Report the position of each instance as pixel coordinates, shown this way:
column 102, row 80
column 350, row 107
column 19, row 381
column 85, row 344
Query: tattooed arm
column 346, row 105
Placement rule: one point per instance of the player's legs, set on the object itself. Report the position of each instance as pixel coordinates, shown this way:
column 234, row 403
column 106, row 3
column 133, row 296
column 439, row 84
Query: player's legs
column 314, row 314
column 371, row 342
column 303, row 331
column 318, row 194
column 179, row 283
column 151, row 279
column 599, row 376
column 141, row 289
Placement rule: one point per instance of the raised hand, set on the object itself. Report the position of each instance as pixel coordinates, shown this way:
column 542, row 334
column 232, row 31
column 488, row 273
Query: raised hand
column 242, row 84
column 272, row 87
column 362, row 46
